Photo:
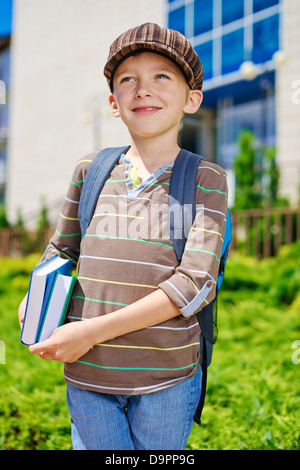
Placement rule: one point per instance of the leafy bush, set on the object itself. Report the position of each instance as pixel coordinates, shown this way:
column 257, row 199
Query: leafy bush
column 276, row 280
column 286, row 277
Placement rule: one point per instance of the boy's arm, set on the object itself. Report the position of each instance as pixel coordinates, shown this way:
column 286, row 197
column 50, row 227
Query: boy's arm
column 73, row 340
column 67, row 237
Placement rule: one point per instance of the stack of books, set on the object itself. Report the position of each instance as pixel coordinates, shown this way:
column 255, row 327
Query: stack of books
column 49, row 294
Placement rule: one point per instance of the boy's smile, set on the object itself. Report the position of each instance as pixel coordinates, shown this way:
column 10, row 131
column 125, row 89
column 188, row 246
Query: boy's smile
column 146, row 109
column 151, row 95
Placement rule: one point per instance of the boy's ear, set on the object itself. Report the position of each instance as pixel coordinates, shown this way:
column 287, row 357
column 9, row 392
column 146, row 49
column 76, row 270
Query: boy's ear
column 113, row 106
column 193, row 102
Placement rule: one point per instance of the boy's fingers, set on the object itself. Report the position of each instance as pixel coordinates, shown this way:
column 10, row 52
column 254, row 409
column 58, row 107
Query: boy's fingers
column 45, row 355
column 38, row 348
column 44, row 349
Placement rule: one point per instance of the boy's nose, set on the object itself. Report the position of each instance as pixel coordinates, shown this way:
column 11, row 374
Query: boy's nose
column 143, row 90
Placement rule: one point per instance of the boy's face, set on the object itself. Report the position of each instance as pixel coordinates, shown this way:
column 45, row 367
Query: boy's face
column 151, row 95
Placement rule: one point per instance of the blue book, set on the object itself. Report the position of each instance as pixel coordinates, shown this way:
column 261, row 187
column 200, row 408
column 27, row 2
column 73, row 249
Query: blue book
column 57, row 305
column 41, row 283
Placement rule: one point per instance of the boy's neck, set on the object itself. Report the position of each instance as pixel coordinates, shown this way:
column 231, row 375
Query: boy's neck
column 148, row 156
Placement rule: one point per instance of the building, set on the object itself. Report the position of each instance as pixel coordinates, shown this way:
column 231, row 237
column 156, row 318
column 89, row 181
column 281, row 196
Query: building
column 5, row 33
column 250, row 51
column 58, row 108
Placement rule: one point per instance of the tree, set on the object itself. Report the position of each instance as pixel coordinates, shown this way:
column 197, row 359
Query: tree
column 3, row 218
column 43, row 221
column 271, row 176
column 20, row 222
column 247, row 174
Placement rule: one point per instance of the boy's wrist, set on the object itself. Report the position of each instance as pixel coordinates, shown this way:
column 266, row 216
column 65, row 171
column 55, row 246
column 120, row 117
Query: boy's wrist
column 148, row 311
column 98, row 329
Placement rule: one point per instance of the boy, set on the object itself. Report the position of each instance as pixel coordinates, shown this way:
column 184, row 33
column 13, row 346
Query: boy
column 131, row 347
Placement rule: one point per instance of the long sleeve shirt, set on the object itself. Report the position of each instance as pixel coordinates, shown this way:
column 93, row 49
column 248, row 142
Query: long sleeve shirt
column 126, row 254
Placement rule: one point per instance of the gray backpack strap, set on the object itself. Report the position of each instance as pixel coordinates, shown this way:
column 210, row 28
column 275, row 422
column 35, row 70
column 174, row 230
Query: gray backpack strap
column 97, row 174
column 182, row 198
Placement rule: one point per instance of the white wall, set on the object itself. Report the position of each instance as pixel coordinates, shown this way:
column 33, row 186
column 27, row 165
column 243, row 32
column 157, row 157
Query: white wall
column 288, row 102
column 58, row 106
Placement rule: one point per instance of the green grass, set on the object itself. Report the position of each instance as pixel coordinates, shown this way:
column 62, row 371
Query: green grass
column 33, row 410
column 253, row 394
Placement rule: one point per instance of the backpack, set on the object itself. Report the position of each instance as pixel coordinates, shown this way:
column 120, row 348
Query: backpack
column 181, row 196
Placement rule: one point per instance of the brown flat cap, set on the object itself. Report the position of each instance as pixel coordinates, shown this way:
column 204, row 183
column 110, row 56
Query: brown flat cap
column 152, row 38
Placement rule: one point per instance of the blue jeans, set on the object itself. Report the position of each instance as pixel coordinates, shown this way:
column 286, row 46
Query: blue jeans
column 159, row 420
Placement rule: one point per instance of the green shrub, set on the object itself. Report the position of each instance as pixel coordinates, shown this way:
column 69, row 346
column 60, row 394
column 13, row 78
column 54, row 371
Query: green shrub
column 276, row 280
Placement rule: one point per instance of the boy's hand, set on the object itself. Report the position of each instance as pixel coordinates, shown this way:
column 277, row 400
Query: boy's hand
column 21, row 310
column 67, row 343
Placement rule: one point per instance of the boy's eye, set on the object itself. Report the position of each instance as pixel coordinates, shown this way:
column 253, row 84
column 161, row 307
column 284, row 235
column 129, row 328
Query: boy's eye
column 162, row 75
column 126, row 79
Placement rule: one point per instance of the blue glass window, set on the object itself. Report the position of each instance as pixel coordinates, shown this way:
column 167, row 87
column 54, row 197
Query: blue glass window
column 232, row 51
column 204, row 51
column 203, row 16
column 265, row 39
column 259, row 5
column 5, row 17
column 177, row 19
column 232, row 10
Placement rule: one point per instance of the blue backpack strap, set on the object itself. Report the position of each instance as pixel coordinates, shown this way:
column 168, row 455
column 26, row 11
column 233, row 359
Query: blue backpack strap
column 225, row 248
column 181, row 216
column 94, row 180
column 206, row 319
column 182, row 198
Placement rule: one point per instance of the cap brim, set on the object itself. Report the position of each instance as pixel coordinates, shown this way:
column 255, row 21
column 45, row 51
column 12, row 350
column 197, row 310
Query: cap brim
column 130, row 49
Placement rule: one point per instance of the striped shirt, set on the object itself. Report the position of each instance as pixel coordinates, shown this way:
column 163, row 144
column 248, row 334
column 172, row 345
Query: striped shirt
column 125, row 255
